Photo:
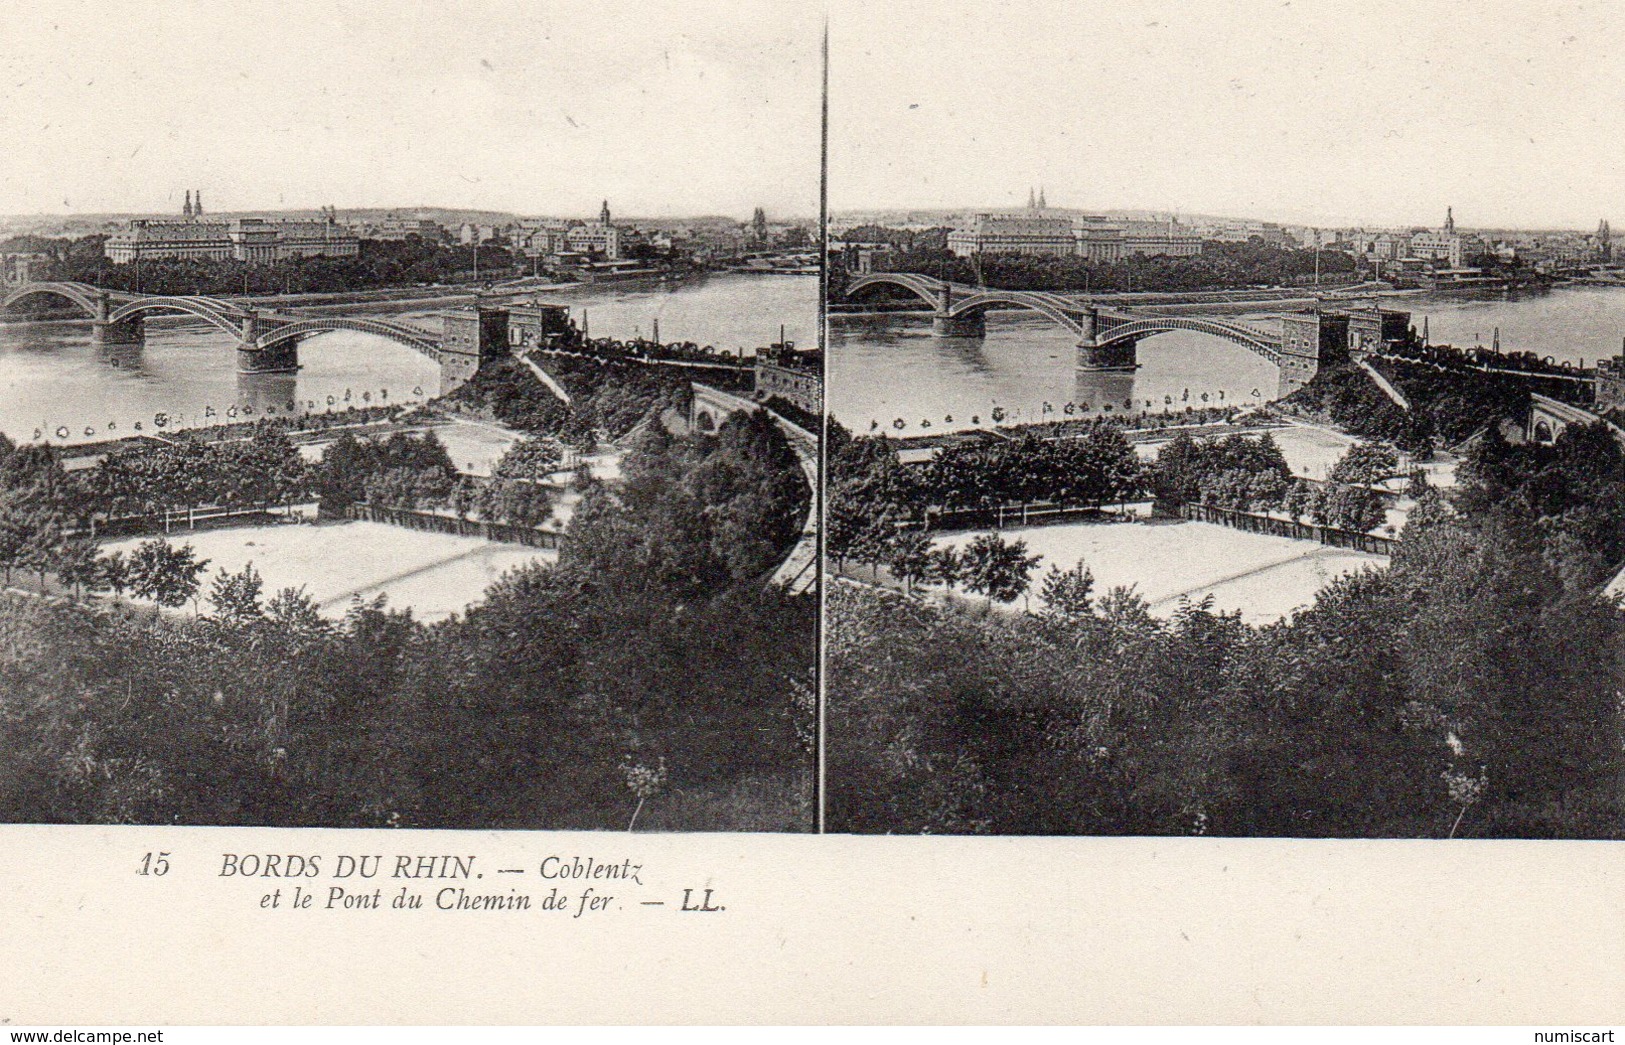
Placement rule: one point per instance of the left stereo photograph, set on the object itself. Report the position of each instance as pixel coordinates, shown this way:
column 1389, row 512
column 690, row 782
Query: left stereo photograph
column 416, row 429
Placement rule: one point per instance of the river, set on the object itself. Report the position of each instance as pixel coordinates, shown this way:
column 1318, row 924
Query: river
column 889, row 373
column 56, row 385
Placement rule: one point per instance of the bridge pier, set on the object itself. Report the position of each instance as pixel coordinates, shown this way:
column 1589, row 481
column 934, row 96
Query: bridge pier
column 281, row 358
column 1119, row 355
column 128, row 331
column 945, row 324
column 973, row 324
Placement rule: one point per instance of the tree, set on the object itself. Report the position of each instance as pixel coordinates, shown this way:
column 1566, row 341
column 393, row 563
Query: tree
column 911, row 557
column 945, row 566
column 116, row 573
column 1354, row 508
column 1068, row 593
column 1365, row 464
column 165, row 574
column 235, row 597
column 1001, row 571
column 76, row 564
column 43, row 547
column 521, row 502
column 532, row 458
column 1298, row 498
column 295, row 613
column 16, row 528
column 464, row 494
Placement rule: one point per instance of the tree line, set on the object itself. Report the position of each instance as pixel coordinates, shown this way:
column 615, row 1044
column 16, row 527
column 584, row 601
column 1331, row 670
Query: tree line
column 49, row 516
column 872, row 497
column 1219, row 266
column 378, row 264
column 879, row 508
column 1251, row 475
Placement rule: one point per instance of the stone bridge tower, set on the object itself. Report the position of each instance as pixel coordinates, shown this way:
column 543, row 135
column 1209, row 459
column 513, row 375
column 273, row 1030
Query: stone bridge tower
column 470, row 337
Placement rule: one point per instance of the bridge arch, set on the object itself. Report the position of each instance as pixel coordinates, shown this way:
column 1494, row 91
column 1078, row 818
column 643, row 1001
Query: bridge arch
column 80, row 294
column 1044, row 304
column 1256, row 341
column 414, row 339
column 204, row 310
column 923, row 287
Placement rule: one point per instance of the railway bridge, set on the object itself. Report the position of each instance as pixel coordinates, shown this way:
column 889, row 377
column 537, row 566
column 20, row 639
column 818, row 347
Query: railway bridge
column 267, row 340
column 1108, row 336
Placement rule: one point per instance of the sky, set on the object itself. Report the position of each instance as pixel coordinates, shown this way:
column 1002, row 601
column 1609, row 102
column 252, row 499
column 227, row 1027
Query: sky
column 1306, row 111
column 665, row 108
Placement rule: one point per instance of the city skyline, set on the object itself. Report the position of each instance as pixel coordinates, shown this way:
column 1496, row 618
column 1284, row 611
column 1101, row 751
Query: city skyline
column 114, row 108
column 1374, row 114
column 846, row 215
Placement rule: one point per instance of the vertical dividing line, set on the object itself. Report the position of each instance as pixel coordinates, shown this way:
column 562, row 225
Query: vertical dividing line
column 823, row 430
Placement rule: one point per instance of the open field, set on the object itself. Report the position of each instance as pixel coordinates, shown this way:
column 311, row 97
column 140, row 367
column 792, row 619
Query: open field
column 434, row 574
column 1264, row 577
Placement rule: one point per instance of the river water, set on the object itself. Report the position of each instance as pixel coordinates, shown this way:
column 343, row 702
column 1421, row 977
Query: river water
column 57, row 386
column 889, row 373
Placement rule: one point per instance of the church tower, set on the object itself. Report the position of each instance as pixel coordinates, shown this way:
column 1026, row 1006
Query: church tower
column 1032, row 200
column 197, row 203
column 1041, row 204
column 1449, row 221
column 186, row 211
column 603, row 214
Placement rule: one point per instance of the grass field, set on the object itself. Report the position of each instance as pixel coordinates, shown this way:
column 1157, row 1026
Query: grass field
column 433, row 573
column 1264, row 577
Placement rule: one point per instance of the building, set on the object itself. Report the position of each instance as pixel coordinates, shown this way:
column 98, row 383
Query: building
column 254, row 240
column 538, row 325
column 601, row 240
column 1097, row 240
column 1029, row 233
column 469, row 337
column 598, row 239
column 795, row 377
column 397, row 229
column 305, row 239
column 168, row 239
column 1247, row 231
column 1610, row 384
column 1168, row 239
column 24, row 267
column 542, row 242
column 1444, row 244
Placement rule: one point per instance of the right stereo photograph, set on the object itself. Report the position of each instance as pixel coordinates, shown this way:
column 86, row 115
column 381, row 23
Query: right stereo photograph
column 1225, row 423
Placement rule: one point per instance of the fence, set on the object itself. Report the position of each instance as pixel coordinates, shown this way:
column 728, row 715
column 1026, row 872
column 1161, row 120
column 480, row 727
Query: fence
column 1269, row 524
column 205, row 517
column 433, row 521
column 1028, row 513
